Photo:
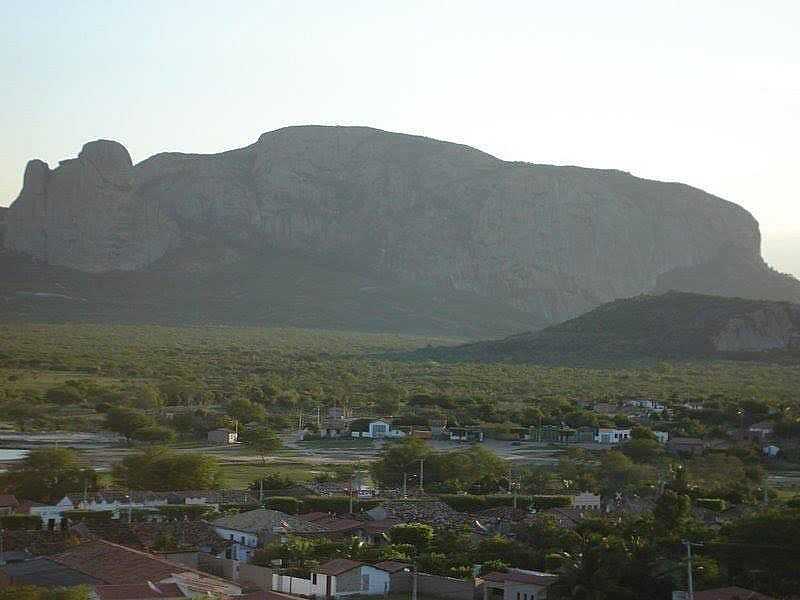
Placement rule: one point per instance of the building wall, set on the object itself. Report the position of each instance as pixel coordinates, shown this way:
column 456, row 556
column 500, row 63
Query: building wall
column 437, row 586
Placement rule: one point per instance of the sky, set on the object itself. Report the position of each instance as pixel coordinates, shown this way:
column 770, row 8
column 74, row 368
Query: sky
column 706, row 92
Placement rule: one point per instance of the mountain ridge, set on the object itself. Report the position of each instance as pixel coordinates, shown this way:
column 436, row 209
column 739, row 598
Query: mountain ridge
column 548, row 241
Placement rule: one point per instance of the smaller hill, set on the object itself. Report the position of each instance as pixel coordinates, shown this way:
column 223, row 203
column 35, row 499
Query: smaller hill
column 674, row 325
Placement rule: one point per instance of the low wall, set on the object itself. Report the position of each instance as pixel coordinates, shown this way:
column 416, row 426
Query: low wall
column 437, row 586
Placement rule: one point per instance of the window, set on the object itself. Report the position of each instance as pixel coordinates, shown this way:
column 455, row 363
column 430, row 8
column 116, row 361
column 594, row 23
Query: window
column 365, row 581
column 313, row 579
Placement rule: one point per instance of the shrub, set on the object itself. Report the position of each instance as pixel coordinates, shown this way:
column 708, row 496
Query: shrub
column 20, row 522
column 715, row 504
column 285, row 504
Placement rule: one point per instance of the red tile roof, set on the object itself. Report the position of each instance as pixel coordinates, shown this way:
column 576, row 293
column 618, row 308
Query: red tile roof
column 141, row 591
column 337, row 566
column 730, row 593
column 7, row 500
column 392, row 566
column 339, row 525
column 519, row 576
column 315, row 516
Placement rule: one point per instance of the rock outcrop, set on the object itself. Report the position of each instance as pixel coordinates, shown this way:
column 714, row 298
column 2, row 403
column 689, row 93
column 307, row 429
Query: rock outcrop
column 550, row 241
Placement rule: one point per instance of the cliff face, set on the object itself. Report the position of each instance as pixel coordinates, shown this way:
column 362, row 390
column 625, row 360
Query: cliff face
column 551, row 241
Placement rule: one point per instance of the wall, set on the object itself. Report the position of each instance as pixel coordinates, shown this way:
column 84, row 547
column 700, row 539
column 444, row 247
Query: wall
column 434, row 585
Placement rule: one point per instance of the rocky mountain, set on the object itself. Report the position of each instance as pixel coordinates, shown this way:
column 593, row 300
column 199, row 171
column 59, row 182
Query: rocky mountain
column 540, row 243
column 675, row 325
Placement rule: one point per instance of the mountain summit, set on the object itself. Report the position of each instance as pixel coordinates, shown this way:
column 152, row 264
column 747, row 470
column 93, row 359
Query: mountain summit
column 549, row 242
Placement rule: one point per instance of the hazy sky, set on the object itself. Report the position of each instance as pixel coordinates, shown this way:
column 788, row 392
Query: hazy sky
column 704, row 91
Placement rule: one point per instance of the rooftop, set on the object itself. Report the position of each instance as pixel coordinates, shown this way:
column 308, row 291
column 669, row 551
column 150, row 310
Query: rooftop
column 522, row 576
column 140, row 591
column 257, row 521
column 337, row 566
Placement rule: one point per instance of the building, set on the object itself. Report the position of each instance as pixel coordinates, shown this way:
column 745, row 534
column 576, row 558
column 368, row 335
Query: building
column 343, row 577
column 761, row 430
column 222, row 436
column 252, row 529
column 465, row 434
column 8, row 504
column 517, row 584
column 661, row 436
column 113, row 568
column 587, row 501
column 611, row 435
column 771, row 450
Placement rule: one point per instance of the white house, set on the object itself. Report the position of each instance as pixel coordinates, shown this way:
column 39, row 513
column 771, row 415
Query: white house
column 517, row 584
column 611, row 435
column 771, row 450
column 249, row 530
column 587, row 500
column 223, row 436
column 378, row 430
column 344, row 577
column 649, row 405
column 661, row 436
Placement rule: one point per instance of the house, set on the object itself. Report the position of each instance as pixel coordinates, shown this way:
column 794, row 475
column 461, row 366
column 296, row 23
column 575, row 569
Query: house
column 587, row 501
column 728, row 593
column 465, row 434
column 251, row 529
column 662, row 437
column 8, row 504
column 611, row 435
column 222, row 436
column 761, row 430
column 335, row 425
column 771, row 451
column 138, row 591
column 517, row 584
column 344, row 577
column 104, row 565
column 651, row 406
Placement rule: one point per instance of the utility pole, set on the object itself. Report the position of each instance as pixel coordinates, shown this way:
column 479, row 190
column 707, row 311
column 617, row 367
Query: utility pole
column 414, row 583
column 261, row 491
column 2, row 560
column 690, row 577
column 405, row 484
column 421, row 476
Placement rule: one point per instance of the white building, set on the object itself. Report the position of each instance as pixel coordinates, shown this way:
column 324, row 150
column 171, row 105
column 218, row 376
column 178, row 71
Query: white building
column 587, row 500
column 661, row 436
column 611, row 435
column 251, row 529
column 344, row 577
column 517, row 584
column 222, row 436
column 378, row 430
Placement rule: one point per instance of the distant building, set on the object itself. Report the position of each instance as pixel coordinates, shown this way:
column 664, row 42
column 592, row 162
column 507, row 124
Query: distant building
column 587, row 500
column 465, row 434
column 8, row 504
column 517, row 584
column 661, row 436
column 611, row 435
column 771, row 450
column 761, row 430
column 222, row 436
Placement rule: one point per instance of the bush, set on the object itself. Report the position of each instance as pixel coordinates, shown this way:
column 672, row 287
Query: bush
column 335, row 504
column 715, row 504
column 285, row 504
column 184, row 512
column 89, row 516
column 26, row 522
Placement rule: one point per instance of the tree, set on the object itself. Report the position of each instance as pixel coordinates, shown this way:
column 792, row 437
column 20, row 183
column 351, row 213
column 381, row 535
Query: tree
column 127, row 421
column 264, row 442
column 48, row 474
column 245, row 411
column 155, row 434
column 672, row 512
column 160, row 469
column 397, row 458
column 417, row 535
column 29, row 592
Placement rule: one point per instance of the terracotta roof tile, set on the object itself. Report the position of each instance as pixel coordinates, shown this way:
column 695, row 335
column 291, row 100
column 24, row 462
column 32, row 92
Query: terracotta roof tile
column 337, row 566
column 141, row 591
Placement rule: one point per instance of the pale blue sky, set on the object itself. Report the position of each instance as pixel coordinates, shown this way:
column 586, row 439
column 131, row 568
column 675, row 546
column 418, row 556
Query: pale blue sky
column 704, row 91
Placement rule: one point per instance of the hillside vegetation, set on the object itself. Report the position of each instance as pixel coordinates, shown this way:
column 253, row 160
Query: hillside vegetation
column 674, row 325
